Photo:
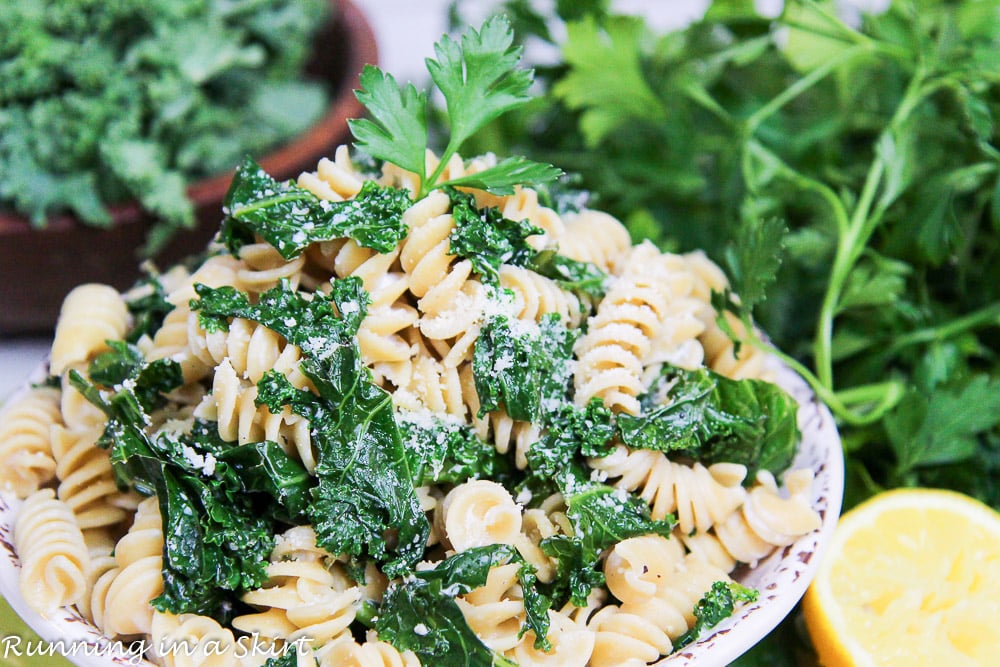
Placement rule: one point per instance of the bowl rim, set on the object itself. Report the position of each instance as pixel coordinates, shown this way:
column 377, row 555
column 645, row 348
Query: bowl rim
column 346, row 18
column 791, row 569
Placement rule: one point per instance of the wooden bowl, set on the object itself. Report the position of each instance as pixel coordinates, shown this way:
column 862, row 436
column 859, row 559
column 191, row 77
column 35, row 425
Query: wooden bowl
column 39, row 266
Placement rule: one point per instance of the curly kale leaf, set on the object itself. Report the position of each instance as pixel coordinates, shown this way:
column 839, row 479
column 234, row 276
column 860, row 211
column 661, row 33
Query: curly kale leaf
column 571, row 430
column 220, row 507
column 365, row 499
column 523, row 367
column 570, row 274
column 488, row 239
column 420, row 614
column 712, row 418
column 717, row 604
column 601, row 516
column 290, row 218
column 446, row 452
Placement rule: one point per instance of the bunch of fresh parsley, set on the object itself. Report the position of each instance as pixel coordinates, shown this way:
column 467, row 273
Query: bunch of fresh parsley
column 106, row 102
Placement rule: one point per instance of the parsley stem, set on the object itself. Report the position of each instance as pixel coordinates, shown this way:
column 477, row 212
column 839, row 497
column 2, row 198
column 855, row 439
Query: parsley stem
column 854, row 241
column 799, row 87
column 984, row 317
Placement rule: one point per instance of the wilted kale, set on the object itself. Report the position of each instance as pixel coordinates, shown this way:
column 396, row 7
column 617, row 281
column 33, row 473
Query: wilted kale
column 569, row 431
column 570, row 274
column 420, row 614
column 220, row 505
column 717, row 604
column 488, row 240
column 291, row 218
column 288, row 658
column 365, row 500
column 526, row 369
column 712, row 418
column 441, row 451
column 148, row 306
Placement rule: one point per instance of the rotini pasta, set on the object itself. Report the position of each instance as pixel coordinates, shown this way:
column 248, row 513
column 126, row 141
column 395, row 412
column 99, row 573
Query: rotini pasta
column 91, row 314
column 307, row 594
column 121, row 601
column 26, row 460
column 54, row 557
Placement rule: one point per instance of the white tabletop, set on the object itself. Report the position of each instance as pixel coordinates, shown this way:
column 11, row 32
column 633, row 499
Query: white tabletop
column 405, row 31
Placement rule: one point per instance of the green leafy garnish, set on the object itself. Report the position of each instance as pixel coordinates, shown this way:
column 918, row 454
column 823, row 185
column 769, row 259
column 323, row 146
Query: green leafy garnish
column 488, row 240
column 291, row 218
column 365, row 490
column 712, row 418
column 717, row 604
column 220, row 505
column 420, row 613
column 480, row 80
column 523, row 367
column 441, row 451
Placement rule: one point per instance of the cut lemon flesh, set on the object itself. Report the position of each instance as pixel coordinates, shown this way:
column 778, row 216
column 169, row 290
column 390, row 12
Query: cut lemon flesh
column 912, row 577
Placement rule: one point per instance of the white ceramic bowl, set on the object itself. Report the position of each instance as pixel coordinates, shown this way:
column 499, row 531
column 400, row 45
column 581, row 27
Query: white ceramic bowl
column 782, row 578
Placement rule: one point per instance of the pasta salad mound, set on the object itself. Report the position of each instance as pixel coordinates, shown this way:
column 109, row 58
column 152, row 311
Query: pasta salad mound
column 406, row 413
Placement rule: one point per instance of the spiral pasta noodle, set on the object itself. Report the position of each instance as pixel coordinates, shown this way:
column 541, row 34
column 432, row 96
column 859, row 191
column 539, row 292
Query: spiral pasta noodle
column 478, row 513
column 659, row 587
column 54, row 558
column 191, row 640
column 495, row 610
column 596, row 237
column 618, row 341
column 26, row 460
column 232, row 404
column 306, row 594
column 536, row 295
column 767, row 519
column 121, row 601
column 381, row 336
column 90, row 315
column 346, row 652
column 86, row 480
column 572, row 644
column 450, row 300
column 700, row 496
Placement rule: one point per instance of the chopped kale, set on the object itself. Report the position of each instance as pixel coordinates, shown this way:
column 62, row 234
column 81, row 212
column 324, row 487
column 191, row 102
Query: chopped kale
column 570, row 274
column 218, row 532
column 527, row 369
column 601, row 517
column 577, row 573
column 488, row 239
column 420, row 614
column 148, row 307
column 717, row 604
column 441, row 451
column 290, row 218
column 712, row 418
column 365, row 500
column 571, row 430
column 124, row 362
column 289, row 657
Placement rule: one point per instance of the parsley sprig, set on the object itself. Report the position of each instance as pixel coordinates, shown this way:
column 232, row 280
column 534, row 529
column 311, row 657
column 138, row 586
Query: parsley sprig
column 480, row 81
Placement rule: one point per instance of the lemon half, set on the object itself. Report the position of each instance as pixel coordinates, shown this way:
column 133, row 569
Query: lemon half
column 912, row 577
